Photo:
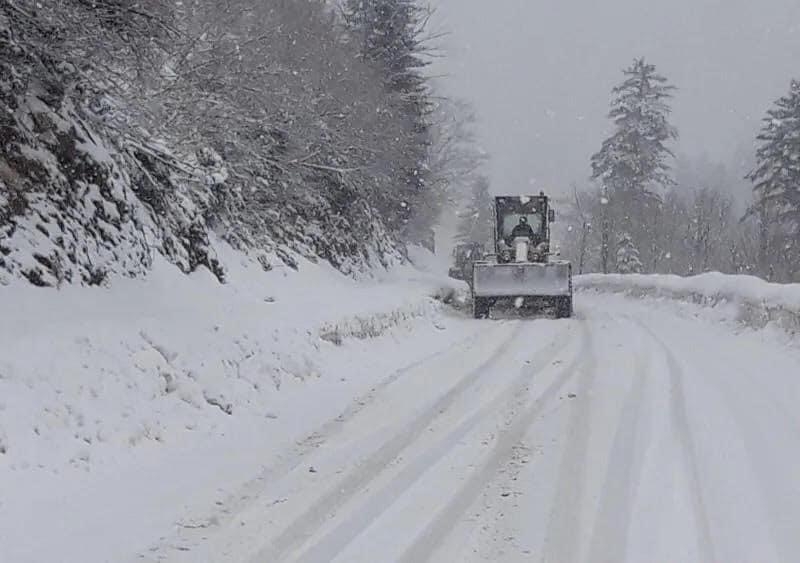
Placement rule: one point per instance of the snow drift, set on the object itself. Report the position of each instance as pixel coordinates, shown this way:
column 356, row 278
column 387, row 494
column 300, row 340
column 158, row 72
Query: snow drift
column 83, row 371
column 754, row 302
column 166, row 384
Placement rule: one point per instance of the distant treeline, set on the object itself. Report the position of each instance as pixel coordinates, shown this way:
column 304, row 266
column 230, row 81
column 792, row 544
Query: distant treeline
column 642, row 214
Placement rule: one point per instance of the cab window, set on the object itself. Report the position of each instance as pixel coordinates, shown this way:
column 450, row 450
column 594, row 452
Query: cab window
column 512, row 220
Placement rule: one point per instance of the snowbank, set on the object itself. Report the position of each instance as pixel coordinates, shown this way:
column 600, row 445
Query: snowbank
column 752, row 301
column 135, row 401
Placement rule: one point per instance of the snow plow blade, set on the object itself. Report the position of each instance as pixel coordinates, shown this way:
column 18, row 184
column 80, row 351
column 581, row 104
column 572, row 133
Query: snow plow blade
column 553, row 279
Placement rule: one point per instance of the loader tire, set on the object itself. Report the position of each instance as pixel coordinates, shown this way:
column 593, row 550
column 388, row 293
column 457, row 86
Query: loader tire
column 564, row 307
column 481, row 307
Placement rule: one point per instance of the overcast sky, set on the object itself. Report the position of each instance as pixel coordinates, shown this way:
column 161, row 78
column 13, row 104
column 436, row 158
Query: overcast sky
column 539, row 73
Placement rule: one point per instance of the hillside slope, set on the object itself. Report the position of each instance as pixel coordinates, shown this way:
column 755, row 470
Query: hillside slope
column 126, row 134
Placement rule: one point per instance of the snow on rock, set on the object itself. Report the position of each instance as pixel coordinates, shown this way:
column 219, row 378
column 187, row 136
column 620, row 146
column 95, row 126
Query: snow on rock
column 79, row 204
column 750, row 301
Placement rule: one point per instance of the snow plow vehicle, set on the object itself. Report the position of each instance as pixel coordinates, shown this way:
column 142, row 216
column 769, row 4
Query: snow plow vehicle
column 464, row 257
column 520, row 272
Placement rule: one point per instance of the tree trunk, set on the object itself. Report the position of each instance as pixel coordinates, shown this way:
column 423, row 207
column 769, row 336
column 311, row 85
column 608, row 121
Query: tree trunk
column 605, row 242
column 584, row 236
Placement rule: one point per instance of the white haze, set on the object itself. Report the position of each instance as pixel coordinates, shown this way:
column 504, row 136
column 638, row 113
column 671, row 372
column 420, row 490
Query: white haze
column 539, row 73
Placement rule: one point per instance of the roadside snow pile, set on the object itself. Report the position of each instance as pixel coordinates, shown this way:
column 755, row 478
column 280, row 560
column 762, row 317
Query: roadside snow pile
column 749, row 300
column 373, row 326
column 138, row 401
column 424, row 273
column 87, row 372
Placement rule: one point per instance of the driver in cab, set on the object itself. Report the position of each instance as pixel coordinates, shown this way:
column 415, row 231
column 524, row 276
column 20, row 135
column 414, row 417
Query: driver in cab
column 522, row 229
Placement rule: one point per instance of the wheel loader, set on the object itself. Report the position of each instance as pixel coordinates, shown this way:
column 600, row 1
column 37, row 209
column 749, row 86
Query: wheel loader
column 521, row 273
column 464, row 256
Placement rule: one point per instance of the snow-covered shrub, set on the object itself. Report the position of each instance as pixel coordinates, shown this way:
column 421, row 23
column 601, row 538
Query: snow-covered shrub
column 373, row 326
column 628, row 261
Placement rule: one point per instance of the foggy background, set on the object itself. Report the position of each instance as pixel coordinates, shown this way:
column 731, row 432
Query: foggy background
column 539, row 74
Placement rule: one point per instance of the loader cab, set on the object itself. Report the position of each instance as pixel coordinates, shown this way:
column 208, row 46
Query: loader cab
column 509, row 210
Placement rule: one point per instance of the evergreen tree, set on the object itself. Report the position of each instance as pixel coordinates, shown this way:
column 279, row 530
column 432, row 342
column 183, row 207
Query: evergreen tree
column 390, row 34
column 476, row 220
column 628, row 261
column 634, row 158
column 633, row 164
column 777, row 185
column 390, row 37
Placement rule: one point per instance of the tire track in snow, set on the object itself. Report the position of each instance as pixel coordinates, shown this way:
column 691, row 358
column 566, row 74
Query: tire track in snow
column 562, row 538
column 609, row 538
column 339, row 538
column 680, row 419
column 525, row 416
column 770, row 480
column 314, row 517
column 334, row 427
column 248, row 493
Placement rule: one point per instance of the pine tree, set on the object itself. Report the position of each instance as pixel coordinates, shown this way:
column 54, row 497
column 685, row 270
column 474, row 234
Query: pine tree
column 390, row 33
column 634, row 158
column 633, row 164
column 628, row 261
column 390, row 36
column 476, row 220
column 777, row 183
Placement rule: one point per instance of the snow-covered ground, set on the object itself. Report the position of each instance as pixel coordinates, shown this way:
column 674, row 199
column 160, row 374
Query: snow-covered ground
column 745, row 300
column 712, row 287
column 643, row 429
column 122, row 411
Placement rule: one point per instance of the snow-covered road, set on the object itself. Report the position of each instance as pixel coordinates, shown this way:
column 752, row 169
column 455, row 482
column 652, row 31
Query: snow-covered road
column 630, row 433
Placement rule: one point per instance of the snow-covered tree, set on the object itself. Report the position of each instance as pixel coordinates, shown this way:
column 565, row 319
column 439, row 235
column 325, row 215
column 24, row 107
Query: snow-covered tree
column 628, row 261
column 390, row 36
column 114, row 33
column 632, row 165
column 264, row 121
column 454, row 157
column 456, row 175
column 634, row 160
column 777, row 185
column 475, row 223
